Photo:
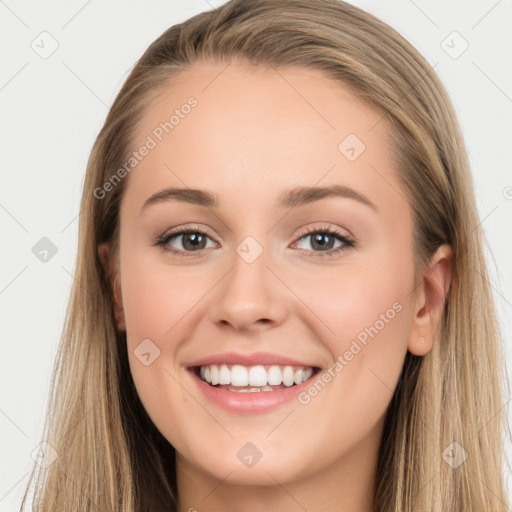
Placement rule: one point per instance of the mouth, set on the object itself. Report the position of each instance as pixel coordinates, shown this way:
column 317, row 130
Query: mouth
column 250, row 383
column 238, row 378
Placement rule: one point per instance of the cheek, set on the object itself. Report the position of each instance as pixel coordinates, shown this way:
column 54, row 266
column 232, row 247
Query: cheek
column 161, row 303
column 365, row 315
column 156, row 297
column 360, row 301
column 154, row 301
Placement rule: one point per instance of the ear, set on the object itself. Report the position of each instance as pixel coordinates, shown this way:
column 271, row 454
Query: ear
column 106, row 256
column 430, row 297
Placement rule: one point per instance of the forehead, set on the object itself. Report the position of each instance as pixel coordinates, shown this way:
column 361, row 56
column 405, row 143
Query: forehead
column 256, row 130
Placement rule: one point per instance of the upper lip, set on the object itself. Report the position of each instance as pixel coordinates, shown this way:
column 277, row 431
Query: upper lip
column 253, row 359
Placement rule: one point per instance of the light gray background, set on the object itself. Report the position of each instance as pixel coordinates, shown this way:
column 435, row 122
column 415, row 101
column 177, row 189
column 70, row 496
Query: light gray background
column 52, row 109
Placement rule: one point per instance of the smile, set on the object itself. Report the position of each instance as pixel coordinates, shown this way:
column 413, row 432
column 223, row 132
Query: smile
column 253, row 379
column 250, row 383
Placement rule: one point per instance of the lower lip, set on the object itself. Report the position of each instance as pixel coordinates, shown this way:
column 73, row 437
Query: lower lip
column 254, row 402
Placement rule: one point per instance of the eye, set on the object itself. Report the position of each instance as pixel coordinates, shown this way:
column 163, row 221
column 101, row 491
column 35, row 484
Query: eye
column 323, row 241
column 191, row 240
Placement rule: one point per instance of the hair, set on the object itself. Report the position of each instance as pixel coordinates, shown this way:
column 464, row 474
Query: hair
column 110, row 454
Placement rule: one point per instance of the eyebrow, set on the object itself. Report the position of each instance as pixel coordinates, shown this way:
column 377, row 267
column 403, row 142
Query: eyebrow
column 298, row 196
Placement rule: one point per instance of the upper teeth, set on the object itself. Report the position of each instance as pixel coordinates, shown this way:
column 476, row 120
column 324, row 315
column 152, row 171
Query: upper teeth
column 238, row 375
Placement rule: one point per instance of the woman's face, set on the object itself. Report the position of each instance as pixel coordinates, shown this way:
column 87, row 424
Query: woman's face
column 273, row 281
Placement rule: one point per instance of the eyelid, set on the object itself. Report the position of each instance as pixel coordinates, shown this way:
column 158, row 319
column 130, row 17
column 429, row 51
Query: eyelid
column 327, row 227
column 189, row 228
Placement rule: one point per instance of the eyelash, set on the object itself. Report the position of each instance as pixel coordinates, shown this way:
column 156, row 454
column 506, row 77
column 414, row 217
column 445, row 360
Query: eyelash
column 163, row 241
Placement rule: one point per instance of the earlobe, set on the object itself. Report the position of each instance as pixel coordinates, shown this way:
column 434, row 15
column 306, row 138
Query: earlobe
column 430, row 300
column 109, row 265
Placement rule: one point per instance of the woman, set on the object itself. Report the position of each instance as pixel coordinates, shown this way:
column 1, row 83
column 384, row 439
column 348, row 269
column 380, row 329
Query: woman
column 281, row 294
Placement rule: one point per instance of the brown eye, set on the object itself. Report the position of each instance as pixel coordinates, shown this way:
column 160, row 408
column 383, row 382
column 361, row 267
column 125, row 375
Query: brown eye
column 192, row 241
column 184, row 242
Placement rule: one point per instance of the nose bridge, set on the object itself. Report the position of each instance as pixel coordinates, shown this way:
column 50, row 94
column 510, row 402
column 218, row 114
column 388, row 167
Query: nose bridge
column 249, row 293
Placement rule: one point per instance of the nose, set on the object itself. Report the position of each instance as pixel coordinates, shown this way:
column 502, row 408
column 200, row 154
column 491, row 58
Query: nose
column 250, row 297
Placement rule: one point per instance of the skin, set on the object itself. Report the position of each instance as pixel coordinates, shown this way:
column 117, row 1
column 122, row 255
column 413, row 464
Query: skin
column 251, row 137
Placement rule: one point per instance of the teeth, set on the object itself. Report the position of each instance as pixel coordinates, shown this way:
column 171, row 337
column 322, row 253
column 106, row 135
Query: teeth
column 288, row 376
column 224, row 375
column 258, row 376
column 307, row 374
column 214, row 372
column 251, row 390
column 239, row 376
column 275, row 375
column 254, row 378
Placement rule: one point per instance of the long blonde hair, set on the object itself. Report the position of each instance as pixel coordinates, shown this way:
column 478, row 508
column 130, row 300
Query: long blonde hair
column 112, row 457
